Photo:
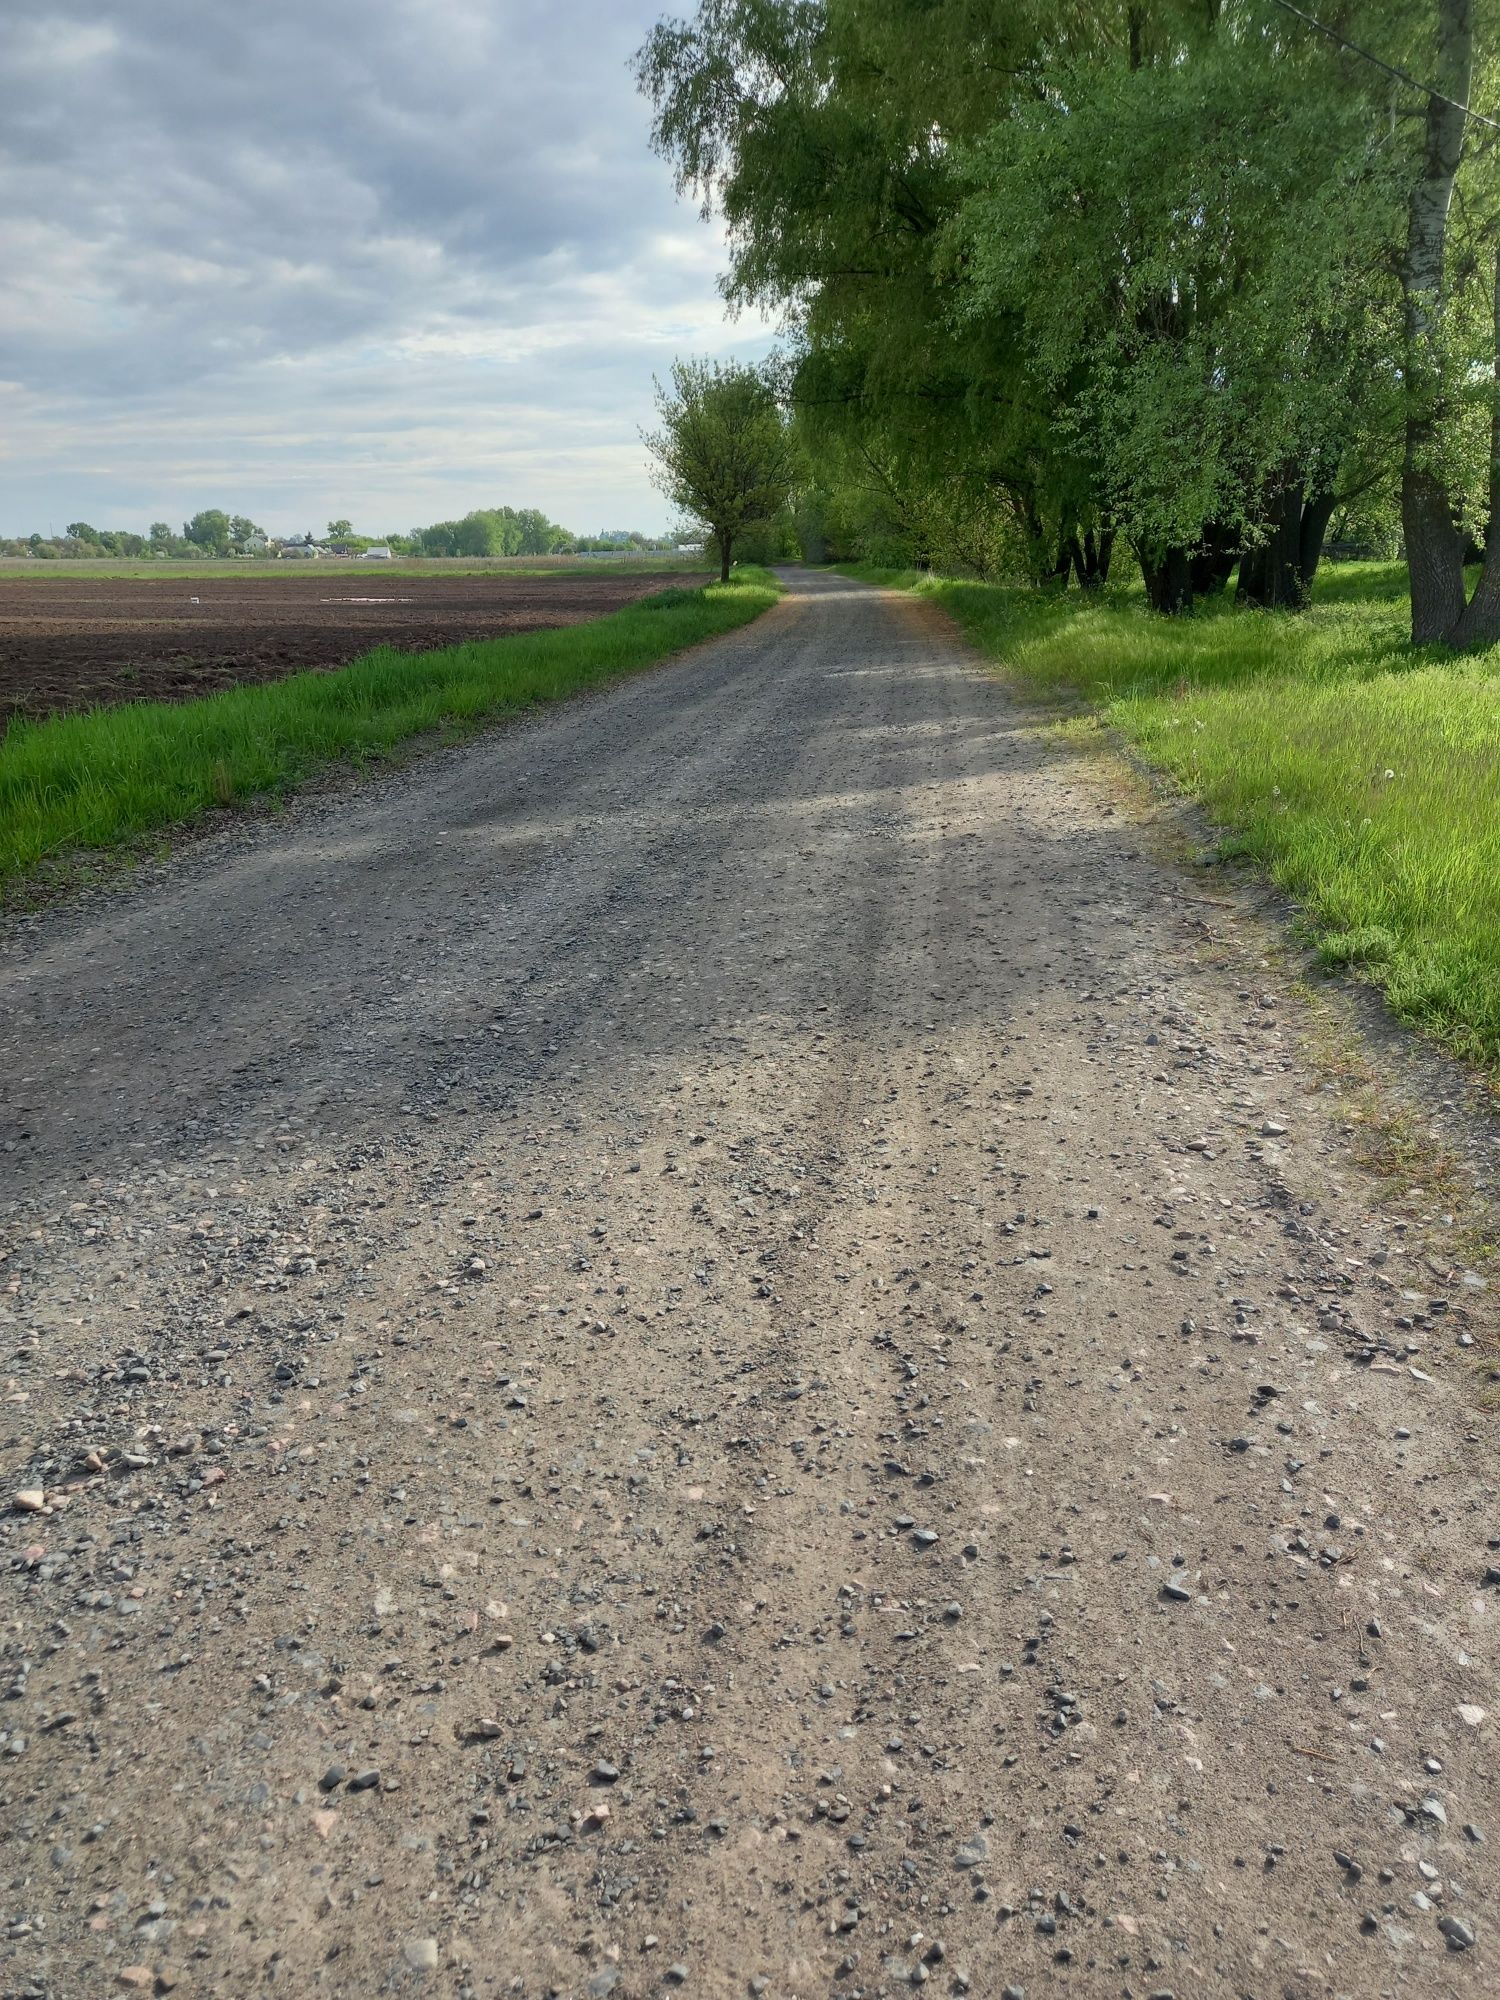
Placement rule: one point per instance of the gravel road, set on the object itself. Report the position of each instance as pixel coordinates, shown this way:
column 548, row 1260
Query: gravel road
column 724, row 1343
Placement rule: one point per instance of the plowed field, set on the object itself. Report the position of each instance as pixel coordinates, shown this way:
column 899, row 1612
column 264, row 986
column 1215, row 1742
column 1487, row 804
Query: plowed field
column 79, row 642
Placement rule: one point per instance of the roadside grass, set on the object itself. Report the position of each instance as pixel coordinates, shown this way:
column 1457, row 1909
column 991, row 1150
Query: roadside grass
column 1361, row 774
column 110, row 776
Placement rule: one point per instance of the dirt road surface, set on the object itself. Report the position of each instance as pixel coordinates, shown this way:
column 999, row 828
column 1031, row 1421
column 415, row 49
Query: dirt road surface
column 722, row 1344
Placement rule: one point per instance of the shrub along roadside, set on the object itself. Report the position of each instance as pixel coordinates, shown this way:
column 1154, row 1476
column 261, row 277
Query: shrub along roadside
column 112, row 775
column 1363, row 775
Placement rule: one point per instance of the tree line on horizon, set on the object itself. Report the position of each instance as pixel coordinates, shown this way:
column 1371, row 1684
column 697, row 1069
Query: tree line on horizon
column 1198, row 280
column 214, row 533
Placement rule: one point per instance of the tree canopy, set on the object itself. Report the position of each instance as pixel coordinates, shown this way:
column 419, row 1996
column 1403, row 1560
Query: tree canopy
column 722, row 450
column 1142, row 268
column 493, row 531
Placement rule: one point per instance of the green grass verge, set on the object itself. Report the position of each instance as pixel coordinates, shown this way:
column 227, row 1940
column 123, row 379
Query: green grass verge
column 108, row 777
column 1362, row 774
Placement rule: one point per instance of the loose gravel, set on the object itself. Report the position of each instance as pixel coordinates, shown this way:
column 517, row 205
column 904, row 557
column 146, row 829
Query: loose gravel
column 725, row 1344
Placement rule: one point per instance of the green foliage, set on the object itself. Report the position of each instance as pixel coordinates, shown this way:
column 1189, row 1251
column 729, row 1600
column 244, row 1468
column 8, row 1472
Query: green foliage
column 209, row 531
column 493, row 531
column 110, row 776
column 723, row 452
column 87, row 541
column 1056, row 272
column 485, row 533
column 1189, row 244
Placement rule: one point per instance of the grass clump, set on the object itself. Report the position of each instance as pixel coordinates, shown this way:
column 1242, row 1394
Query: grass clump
column 113, row 775
column 1361, row 773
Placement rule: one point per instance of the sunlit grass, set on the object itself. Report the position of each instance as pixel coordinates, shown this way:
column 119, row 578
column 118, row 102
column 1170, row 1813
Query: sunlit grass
column 1361, row 774
column 111, row 775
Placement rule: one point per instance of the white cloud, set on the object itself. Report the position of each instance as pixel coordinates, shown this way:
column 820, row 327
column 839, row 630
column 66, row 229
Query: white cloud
column 388, row 259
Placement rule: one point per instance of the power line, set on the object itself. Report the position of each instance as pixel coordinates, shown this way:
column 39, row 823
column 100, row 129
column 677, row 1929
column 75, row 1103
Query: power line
column 1400, row 75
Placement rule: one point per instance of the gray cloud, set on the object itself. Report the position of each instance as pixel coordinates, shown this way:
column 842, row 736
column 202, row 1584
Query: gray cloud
column 391, row 258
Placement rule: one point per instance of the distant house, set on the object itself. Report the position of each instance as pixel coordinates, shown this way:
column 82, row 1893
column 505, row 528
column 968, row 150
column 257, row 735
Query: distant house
column 305, row 551
column 378, row 552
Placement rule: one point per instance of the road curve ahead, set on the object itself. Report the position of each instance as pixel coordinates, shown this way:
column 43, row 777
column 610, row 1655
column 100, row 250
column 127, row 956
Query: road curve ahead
column 720, row 1344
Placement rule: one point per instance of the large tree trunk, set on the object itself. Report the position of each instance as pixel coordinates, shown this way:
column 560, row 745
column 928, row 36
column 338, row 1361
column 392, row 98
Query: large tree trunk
column 1316, row 515
column 1086, row 557
column 1278, row 574
column 1434, row 556
column 1168, row 576
column 1479, row 625
column 1434, row 553
column 1271, row 574
column 1091, row 557
column 726, row 542
column 1213, row 559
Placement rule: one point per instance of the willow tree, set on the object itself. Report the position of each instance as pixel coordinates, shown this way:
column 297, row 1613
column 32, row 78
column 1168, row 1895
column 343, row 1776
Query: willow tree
column 1450, row 318
column 1187, row 269
column 824, row 134
column 1192, row 237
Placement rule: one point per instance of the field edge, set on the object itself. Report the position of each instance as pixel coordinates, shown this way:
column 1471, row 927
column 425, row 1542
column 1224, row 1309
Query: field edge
column 84, row 794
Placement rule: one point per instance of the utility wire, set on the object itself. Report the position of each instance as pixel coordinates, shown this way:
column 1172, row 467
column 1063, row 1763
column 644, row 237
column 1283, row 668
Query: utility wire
column 1400, row 75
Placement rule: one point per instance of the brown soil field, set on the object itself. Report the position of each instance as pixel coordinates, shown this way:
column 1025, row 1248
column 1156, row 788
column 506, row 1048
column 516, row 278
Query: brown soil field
column 86, row 641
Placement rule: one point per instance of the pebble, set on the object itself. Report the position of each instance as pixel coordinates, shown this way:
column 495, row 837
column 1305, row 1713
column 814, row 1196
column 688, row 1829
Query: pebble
column 421, row 1954
column 30, row 1500
column 1460, row 1935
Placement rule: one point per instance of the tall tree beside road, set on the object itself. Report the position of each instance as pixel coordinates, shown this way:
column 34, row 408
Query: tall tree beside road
column 1440, row 367
column 723, row 451
column 1203, row 275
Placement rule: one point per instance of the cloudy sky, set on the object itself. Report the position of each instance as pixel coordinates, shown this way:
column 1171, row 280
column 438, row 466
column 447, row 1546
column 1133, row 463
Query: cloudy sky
column 390, row 259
